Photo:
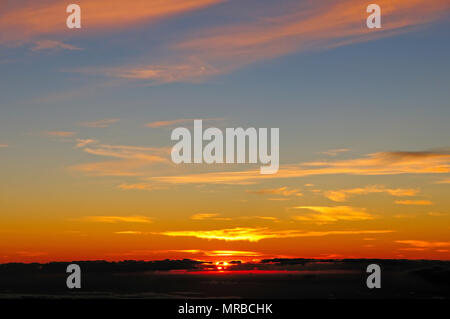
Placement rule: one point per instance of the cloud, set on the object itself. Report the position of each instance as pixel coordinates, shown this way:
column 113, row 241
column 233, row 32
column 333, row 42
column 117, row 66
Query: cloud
column 336, row 151
column 4, row 145
column 117, row 219
column 333, row 214
column 84, row 142
column 168, row 123
column 60, row 133
column 404, row 216
column 128, row 152
column 53, row 45
column 100, row 123
column 424, row 243
column 305, row 26
column 128, row 232
column 197, row 252
column 21, row 22
column 444, row 181
column 271, row 218
column 437, row 214
column 282, row 191
column 214, row 216
column 219, row 253
column 233, row 253
column 110, row 168
column 171, row 123
column 257, row 234
column 140, row 186
column 131, row 160
column 381, row 163
column 190, row 71
column 25, row 253
column 344, row 194
column 203, row 216
column 414, row 202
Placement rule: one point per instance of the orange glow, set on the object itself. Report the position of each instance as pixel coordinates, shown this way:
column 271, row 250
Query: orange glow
column 77, row 187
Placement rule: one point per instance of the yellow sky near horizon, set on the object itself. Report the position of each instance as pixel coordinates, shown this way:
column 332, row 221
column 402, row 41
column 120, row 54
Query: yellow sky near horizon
column 86, row 117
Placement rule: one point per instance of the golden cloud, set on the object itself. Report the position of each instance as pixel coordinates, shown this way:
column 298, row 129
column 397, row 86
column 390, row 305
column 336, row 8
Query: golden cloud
column 333, row 214
column 132, row 159
column 424, row 243
column 382, row 163
column 140, row 186
column 257, row 234
column 117, row 219
column 414, row 202
column 437, row 214
column 128, row 232
column 282, row 191
column 213, row 216
column 168, row 123
column 444, row 181
column 203, row 216
column 234, row 253
column 344, row 194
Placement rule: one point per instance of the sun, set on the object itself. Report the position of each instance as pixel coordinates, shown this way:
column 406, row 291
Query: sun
column 221, row 265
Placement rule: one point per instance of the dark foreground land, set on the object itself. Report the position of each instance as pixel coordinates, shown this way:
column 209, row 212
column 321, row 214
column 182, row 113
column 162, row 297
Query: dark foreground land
column 274, row 279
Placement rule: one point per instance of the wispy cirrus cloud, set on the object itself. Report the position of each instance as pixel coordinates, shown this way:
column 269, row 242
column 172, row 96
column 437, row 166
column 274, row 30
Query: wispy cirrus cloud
column 215, row 216
column 325, row 214
column 192, row 70
column 444, row 181
column 171, row 123
column 168, row 123
column 128, row 232
column 141, row 186
column 425, row 243
column 53, row 45
column 84, row 142
column 110, row 168
column 343, row 194
column 257, row 234
column 130, row 160
column 203, row 216
column 21, row 21
column 307, row 25
column 100, row 123
column 381, row 163
column 60, row 133
column 414, row 202
column 27, row 253
column 336, row 151
column 282, row 191
column 117, row 219
column 437, row 214
column 196, row 252
column 231, row 253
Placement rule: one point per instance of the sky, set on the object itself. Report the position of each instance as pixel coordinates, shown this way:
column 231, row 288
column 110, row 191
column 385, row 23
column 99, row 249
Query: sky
column 86, row 117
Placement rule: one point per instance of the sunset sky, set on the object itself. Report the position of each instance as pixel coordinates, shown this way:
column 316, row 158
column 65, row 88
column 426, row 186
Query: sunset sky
column 86, row 116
